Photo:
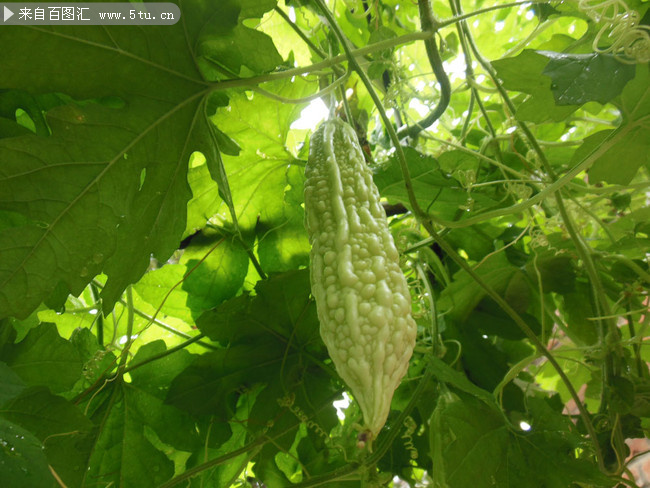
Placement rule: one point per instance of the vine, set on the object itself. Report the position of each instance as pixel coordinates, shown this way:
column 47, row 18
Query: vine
column 630, row 40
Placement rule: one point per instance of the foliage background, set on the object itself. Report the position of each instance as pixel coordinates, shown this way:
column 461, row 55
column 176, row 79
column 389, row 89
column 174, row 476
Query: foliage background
column 156, row 326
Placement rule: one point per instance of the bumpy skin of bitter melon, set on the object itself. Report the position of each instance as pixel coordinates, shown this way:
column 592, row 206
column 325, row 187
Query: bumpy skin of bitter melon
column 362, row 297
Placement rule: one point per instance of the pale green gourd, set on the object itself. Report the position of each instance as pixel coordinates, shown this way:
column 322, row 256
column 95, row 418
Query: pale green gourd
column 362, row 297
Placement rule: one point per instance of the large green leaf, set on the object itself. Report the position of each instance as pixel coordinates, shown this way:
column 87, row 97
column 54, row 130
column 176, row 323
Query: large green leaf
column 472, row 445
column 464, row 294
column 122, row 454
column 186, row 295
column 22, row 461
column 266, row 177
column 284, row 302
column 63, row 429
column 581, row 78
column 44, row 358
column 436, row 192
column 524, row 73
column 272, row 342
column 108, row 188
column 146, row 394
column 10, row 383
column 619, row 163
column 135, row 425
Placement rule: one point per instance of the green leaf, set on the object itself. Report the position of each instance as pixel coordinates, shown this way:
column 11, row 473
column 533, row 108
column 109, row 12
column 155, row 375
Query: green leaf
column 10, row 383
column 223, row 474
column 22, row 461
column 581, row 78
column 63, row 429
column 524, row 73
column 472, row 445
column 521, row 73
column 227, row 42
column 136, row 425
column 210, row 384
column 464, row 294
column 446, row 374
column 477, row 241
column 266, row 336
column 146, row 393
column 109, row 185
column 556, row 271
column 621, row 394
column 490, row 319
column 435, row 191
column 456, row 160
column 219, row 277
column 284, row 300
column 578, row 310
column 122, row 455
column 97, row 360
column 305, row 398
column 635, row 99
column 255, row 8
column 242, row 46
column 84, row 181
column 518, row 293
column 205, row 202
column 14, row 101
column 45, row 414
column 469, row 443
column 9, row 128
column 633, row 149
column 44, row 358
column 632, row 146
column 479, row 349
column 287, row 247
column 266, row 175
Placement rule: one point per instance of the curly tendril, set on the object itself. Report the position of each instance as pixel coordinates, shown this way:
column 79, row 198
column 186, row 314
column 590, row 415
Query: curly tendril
column 630, row 42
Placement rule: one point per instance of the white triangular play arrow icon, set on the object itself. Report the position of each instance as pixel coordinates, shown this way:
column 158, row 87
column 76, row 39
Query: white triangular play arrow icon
column 8, row 14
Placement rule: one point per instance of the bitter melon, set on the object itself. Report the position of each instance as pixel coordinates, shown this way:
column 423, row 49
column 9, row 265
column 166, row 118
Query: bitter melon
column 362, row 297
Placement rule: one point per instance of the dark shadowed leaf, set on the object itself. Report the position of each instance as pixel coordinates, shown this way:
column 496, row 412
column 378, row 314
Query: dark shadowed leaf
column 22, row 461
column 63, row 429
column 44, row 358
column 108, row 188
column 122, row 455
column 627, row 148
column 581, row 78
column 10, row 383
column 469, row 437
column 524, row 73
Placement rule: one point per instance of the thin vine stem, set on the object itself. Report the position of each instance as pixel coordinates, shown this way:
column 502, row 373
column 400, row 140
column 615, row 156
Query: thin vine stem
column 551, row 188
column 94, row 293
column 481, row 156
column 129, row 331
column 460, row 17
column 325, row 91
column 300, row 33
